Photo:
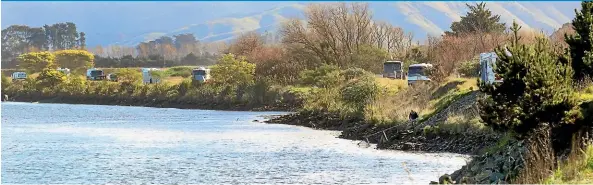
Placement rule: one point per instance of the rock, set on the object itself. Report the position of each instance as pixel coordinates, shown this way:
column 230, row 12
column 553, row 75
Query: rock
column 446, row 179
column 433, row 182
column 255, row 120
column 483, row 177
column 496, row 177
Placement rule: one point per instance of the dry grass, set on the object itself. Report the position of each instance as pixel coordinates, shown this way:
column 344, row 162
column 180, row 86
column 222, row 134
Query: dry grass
column 392, row 85
column 423, row 98
column 577, row 170
column 174, row 80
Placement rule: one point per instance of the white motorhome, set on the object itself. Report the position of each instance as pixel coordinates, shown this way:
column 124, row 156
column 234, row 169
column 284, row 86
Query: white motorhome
column 94, row 74
column 19, row 76
column 393, row 69
column 64, row 70
column 148, row 77
column 487, row 64
column 201, row 74
column 418, row 73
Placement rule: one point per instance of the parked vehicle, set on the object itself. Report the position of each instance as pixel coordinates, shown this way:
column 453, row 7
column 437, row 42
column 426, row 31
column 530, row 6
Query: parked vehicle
column 19, row 76
column 418, row 73
column 393, row 69
column 487, row 63
column 201, row 74
column 147, row 76
column 112, row 77
column 66, row 71
column 95, row 74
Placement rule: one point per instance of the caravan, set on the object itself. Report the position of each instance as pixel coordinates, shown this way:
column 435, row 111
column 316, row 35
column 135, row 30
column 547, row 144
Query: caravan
column 66, row 71
column 393, row 69
column 94, row 74
column 19, row 76
column 487, row 64
column 148, row 77
column 418, row 73
column 201, row 74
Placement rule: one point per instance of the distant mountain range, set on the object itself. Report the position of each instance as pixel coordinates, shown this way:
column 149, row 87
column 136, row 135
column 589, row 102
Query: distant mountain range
column 128, row 23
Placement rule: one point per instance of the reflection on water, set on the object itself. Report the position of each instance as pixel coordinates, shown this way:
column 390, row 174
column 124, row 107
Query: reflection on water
column 82, row 144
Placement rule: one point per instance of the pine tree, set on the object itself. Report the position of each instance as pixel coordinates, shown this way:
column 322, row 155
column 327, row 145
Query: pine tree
column 536, row 88
column 477, row 20
column 581, row 44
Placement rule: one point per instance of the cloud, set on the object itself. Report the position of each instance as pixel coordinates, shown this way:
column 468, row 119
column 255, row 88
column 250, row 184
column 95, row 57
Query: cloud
column 444, row 7
column 414, row 16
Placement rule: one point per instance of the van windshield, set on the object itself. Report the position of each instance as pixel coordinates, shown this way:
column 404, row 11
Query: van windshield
column 200, row 72
column 96, row 73
column 416, row 71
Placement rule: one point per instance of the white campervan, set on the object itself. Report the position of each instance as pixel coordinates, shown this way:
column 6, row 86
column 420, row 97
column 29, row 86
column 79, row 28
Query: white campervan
column 201, row 74
column 19, row 76
column 147, row 76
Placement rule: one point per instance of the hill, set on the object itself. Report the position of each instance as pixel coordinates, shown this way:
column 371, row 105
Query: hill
column 128, row 23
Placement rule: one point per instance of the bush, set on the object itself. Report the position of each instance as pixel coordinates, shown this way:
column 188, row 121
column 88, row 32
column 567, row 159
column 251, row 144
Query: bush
column 470, row 68
column 51, row 78
column 357, row 94
column 537, row 89
column 323, row 76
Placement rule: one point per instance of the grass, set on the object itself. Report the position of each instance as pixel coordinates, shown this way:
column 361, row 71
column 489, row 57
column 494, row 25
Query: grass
column 426, row 99
column 577, row 170
column 174, row 80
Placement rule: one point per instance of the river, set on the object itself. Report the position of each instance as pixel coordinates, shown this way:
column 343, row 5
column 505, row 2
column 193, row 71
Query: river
column 94, row 144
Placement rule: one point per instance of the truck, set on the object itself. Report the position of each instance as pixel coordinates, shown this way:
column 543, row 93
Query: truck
column 201, row 74
column 487, row 64
column 393, row 69
column 148, row 77
column 94, row 74
column 418, row 73
column 19, row 75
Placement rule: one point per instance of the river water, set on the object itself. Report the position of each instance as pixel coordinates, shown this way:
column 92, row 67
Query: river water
column 93, row 144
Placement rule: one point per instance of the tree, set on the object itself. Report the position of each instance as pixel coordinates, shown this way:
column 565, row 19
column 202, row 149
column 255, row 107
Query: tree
column 246, row 43
column 82, row 41
column 190, row 59
column 581, row 44
column 76, row 60
column 36, row 61
column 536, row 89
column 50, row 77
column 232, row 72
column 477, row 20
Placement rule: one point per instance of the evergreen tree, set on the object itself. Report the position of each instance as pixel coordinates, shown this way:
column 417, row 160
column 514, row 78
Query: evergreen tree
column 477, row 20
column 536, row 89
column 581, row 44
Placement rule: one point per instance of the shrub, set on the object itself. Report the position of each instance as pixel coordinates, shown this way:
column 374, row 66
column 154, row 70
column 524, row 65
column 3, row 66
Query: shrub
column 537, row 89
column 323, row 76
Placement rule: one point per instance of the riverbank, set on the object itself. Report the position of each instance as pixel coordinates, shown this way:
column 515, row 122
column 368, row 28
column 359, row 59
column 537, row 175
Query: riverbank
column 404, row 137
column 154, row 103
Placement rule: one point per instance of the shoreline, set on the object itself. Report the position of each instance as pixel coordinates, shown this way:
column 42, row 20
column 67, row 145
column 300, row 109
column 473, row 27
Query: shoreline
column 402, row 137
column 153, row 103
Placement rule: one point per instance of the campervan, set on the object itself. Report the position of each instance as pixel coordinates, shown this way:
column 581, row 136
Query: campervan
column 487, row 63
column 19, row 76
column 66, row 71
column 94, row 74
column 201, row 74
column 148, row 77
column 112, row 77
column 418, row 73
column 393, row 69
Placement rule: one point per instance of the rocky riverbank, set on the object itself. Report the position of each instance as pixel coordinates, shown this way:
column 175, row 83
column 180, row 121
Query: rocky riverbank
column 405, row 137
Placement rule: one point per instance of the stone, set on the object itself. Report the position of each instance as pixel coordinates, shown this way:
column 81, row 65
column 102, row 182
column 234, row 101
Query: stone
column 446, row 179
column 496, row 177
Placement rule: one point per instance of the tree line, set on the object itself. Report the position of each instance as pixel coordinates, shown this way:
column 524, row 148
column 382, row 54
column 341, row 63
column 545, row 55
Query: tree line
column 19, row 39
